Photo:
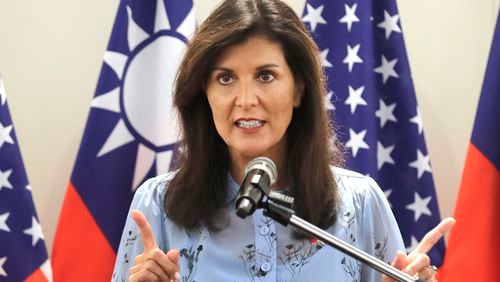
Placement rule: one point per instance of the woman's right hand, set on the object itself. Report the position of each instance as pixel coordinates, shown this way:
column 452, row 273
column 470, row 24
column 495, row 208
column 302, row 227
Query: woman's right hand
column 153, row 264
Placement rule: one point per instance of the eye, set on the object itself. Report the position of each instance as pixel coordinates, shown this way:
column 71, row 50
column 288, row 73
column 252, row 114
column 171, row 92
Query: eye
column 266, row 76
column 225, row 79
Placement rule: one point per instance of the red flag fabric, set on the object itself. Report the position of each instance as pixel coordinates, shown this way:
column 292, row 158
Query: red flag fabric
column 474, row 245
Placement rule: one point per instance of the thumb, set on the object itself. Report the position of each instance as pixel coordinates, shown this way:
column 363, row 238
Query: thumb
column 174, row 255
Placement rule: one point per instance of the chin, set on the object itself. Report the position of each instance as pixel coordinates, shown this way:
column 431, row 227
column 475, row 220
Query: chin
column 252, row 151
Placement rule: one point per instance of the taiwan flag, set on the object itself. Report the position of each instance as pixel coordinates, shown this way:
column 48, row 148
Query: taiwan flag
column 131, row 134
column 474, row 243
column 23, row 256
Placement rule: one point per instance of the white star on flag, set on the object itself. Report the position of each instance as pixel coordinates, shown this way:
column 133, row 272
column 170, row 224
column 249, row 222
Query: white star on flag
column 390, row 24
column 3, row 221
column 350, row 16
column 314, row 16
column 5, row 135
column 384, row 155
column 356, row 141
column 324, row 60
column 419, row 206
column 4, row 179
column 352, row 56
column 421, row 164
column 2, row 262
column 418, row 121
column 388, row 193
column 355, row 98
column 35, row 231
column 385, row 113
column 413, row 244
column 386, row 69
column 328, row 101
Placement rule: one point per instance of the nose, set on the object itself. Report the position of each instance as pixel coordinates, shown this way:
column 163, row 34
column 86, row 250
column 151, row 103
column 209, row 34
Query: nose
column 246, row 97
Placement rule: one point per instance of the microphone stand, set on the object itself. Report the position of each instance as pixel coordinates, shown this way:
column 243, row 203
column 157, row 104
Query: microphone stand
column 275, row 207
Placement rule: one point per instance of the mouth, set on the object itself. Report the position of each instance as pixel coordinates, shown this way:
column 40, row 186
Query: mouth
column 249, row 123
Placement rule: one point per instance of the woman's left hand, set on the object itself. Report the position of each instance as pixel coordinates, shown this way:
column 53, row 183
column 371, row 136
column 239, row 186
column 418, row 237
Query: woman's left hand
column 417, row 263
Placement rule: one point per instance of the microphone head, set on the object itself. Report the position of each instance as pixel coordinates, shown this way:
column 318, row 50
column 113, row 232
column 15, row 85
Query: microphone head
column 264, row 164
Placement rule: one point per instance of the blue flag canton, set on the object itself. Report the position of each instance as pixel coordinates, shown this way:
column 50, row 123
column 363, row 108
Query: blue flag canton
column 131, row 133
column 372, row 102
column 22, row 248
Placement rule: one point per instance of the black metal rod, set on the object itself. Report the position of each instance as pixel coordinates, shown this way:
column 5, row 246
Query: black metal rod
column 352, row 251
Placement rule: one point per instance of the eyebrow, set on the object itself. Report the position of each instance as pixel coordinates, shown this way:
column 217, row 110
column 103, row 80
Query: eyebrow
column 268, row 66
column 265, row 66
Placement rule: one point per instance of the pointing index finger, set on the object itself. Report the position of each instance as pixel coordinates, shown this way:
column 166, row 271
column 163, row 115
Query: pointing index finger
column 431, row 238
column 147, row 236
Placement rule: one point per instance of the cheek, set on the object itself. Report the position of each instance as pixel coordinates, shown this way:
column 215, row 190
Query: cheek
column 283, row 116
column 219, row 114
column 285, row 105
column 221, row 124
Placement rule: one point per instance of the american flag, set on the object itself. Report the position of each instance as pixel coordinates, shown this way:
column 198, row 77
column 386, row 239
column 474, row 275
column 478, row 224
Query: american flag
column 130, row 135
column 23, row 256
column 373, row 106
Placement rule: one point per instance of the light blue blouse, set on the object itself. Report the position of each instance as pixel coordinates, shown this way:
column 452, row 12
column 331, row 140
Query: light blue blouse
column 260, row 249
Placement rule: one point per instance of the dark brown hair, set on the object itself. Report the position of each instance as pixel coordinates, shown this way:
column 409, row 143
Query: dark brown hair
column 197, row 193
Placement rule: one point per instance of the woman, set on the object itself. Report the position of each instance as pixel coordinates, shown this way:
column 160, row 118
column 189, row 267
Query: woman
column 250, row 85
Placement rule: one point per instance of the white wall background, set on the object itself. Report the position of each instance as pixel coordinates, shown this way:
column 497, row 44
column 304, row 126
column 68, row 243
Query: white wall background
column 51, row 53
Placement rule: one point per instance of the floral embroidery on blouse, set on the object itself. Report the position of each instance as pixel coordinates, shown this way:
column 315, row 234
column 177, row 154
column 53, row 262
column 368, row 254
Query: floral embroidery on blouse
column 253, row 270
column 297, row 255
column 258, row 249
column 270, row 236
column 351, row 266
column 191, row 256
column 381, row 248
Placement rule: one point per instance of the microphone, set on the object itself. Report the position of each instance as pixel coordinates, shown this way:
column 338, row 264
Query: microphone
column 259, row 175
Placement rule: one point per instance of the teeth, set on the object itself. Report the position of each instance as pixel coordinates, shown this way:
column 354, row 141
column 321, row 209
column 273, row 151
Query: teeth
column 249, row 123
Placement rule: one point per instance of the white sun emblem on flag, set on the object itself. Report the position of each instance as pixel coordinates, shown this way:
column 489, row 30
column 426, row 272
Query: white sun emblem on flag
column 144, row 97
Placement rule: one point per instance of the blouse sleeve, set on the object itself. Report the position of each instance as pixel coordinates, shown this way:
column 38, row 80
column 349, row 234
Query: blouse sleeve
column 383, row 238
column 149, row 200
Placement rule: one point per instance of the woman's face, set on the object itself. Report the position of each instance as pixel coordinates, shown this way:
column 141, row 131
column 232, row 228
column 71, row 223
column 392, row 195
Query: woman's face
column 252, row 93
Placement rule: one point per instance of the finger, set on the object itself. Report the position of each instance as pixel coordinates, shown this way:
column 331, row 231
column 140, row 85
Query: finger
column 145, row 230
column 163, row 261
column 174, row 255
column 134, row 269
column 433, row 236
column 426, row 273
column 154, row 267
column 144, row 275
column 139, row 259
column 399, row 262
column 150, row 266
column 420, row 262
